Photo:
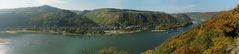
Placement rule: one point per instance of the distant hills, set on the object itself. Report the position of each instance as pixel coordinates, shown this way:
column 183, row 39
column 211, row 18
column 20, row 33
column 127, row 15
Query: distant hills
column 45, row 18
column 216, row 36
column 35, row 16
column 126, row 18
column 203, row 16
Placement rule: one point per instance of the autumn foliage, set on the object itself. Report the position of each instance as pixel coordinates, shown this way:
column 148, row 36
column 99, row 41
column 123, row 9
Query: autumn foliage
column 211, row 37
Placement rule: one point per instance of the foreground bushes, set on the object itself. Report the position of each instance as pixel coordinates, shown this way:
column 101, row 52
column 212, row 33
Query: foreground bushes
column 111, row 50
column 211, row 37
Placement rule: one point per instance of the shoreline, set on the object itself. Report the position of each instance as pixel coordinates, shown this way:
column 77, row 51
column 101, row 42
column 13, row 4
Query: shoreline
column 111, row 32
column 107, row 32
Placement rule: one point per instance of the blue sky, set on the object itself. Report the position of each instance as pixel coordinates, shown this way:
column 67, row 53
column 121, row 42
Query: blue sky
column 169, row 6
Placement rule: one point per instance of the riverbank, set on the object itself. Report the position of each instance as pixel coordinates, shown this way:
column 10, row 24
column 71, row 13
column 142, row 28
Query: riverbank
column 111, row 32
column 104, row 32
column 107, row 32
column 133, row 42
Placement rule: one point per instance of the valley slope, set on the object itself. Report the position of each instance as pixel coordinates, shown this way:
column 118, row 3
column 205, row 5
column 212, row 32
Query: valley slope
column 216, row 36
column 47, row 18
column 203, row 16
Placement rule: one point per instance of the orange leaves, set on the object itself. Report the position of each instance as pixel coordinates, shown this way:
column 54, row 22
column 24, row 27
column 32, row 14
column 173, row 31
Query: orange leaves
column 220, row 42
column 236, row 10
column 210, row 37
column 111, row 50
column 230, row 27
column 222, row 19
column 148, row 52
column 184, row 50
column 208, row 51
column 175, row 42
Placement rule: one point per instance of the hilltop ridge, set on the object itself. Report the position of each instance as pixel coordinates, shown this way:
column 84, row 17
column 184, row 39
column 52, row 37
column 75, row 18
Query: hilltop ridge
column 45, row 18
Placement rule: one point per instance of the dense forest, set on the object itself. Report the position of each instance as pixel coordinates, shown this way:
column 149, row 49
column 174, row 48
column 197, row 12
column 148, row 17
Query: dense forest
column 47, row 18
column 215, row 36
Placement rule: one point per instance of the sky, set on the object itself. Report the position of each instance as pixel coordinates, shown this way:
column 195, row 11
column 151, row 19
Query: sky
column 168, row 6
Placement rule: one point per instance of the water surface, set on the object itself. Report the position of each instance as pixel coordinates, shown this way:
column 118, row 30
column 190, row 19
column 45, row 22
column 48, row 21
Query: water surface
column 43, row 43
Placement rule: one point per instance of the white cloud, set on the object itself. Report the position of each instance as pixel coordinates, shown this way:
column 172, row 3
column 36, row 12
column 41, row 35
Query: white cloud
column 47, row 2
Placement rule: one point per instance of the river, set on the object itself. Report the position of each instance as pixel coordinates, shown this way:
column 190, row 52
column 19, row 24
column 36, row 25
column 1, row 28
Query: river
column 43, row 43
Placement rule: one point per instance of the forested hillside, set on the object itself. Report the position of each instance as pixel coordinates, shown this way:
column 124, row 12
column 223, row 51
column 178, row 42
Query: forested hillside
column 125, row 18
column 216, row 36
column 45, row 18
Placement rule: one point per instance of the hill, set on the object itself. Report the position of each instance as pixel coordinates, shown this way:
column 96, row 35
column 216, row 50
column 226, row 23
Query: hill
column 216, row 36
column 203, row 16
column 47, row 18
column 126, row 18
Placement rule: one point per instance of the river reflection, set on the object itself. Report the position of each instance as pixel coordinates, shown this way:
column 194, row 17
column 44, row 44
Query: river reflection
column 4, row 46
